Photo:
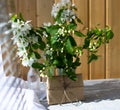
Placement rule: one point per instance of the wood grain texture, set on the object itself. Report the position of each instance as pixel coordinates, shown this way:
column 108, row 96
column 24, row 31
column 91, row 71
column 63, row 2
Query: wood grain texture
column 113, row 49
column 44, row 11
column 28, row 9
column 82, row 12
column 97, row 16
column 11, row 6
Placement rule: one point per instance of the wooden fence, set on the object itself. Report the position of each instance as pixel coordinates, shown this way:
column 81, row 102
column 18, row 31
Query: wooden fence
column 92, row 12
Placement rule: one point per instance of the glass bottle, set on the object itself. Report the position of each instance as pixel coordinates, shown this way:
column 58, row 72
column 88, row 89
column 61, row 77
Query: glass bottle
column 34, row 81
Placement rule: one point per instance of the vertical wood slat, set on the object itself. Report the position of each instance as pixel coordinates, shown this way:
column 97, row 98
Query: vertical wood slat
column 113, row 49
column 11, row 6
column 82, row 12
column 108, row 21
column 28, row 9
column 97, row 15
column 44, row 11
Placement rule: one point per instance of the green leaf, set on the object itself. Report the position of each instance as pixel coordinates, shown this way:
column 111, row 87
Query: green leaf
column 78, row 33
column 55, row 62
column 50, row 71
column 79, row 50
column 69, row 46
column 39, row 39
column 69, row 58
column 31, row 53
column 92, row 57
column 79, row 20
column 52, row 30
column 14, row 17
column 98, row 32
column 99, row 42
column 37, row 55
column 37, row 65
column 71, row 74
column 86, row 43
column 40, row 30
column 58, row 18
column 72, row 26
column 60, row 61
column 74, row 7
column 42, row 45
column 77, row 62
column 90, row 33
column 109, row 35
column 54, row 39
column 72, row 40
column 35, row 46
column 21, row 17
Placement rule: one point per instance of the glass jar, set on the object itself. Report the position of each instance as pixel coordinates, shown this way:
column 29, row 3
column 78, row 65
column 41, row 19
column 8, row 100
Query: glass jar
column 33, row 81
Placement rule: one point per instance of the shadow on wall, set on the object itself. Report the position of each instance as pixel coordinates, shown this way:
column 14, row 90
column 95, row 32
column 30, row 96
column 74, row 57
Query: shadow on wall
column 3, row 19
column 1, row 64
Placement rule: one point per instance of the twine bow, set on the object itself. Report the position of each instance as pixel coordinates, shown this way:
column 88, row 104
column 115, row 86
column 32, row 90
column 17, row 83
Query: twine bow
column 67, row 94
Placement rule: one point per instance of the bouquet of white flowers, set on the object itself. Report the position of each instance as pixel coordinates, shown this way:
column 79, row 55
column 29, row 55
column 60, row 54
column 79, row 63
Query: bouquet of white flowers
column 54, row 45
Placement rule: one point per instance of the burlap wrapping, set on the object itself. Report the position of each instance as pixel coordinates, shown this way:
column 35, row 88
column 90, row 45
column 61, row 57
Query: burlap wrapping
column 60, row 89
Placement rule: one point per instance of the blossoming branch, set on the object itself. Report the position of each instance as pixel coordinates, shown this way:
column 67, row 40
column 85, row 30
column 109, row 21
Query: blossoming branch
column 54, row 45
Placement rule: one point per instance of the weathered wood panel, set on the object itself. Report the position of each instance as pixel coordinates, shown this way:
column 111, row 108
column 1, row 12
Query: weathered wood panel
column 97, row 16
column 82, row 13
column 113, row 49
column 44, row 11
column 28, row 9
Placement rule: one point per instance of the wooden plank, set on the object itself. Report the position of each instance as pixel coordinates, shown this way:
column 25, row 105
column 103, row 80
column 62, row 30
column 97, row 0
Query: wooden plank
column 82, row 13
column 113, row 49
column 11, row 6
column 28, row 9
column 97, row 16
column 108, row 21
column 44, row 11
column 57, row 1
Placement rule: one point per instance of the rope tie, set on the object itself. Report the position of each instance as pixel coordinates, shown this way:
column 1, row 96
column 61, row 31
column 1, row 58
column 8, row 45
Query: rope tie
column 67, row 94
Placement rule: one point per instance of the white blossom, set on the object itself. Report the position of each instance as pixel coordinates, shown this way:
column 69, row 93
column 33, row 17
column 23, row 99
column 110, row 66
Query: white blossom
column 33, row 39
column 28, row 61
column 62, row 31
column 22, row 52
column 68, row 15
column 55, row 9
column 45, row 34
column 21, row 31
column 20, row 27
column 66, row 3
column 47, row 24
